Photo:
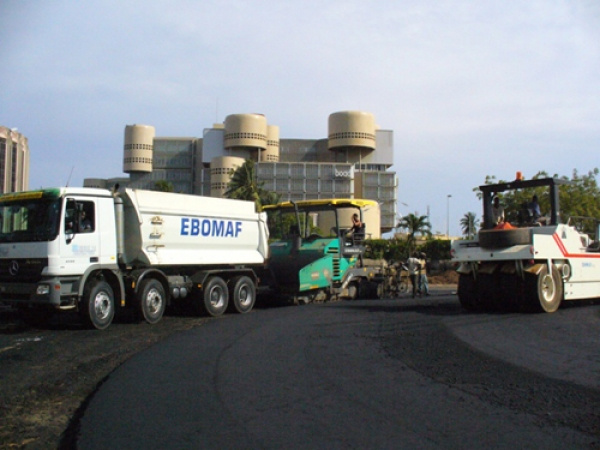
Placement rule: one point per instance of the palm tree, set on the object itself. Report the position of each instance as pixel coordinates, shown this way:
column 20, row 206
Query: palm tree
column 244, row 186
column 415, row 225
column 469, row 224
column 269, row 198
column 163, row 186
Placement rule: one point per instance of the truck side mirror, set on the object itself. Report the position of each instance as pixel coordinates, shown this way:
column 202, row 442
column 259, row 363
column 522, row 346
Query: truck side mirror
column 70, row 220
column 69, row 235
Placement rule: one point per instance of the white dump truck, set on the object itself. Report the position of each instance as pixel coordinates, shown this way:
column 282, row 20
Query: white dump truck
column 93, row 249
column 530, row 263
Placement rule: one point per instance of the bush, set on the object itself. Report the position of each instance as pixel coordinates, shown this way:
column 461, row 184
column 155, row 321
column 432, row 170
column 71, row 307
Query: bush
column 436, row 249
column 397, row 250
column 388, row 249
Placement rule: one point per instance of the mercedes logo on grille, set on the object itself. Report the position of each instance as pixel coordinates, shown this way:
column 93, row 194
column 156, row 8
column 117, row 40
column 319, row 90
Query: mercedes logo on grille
column 13, row 268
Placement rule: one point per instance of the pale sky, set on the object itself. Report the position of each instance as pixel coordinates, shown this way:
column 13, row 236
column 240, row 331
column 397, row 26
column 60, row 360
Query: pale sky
column 469, row 88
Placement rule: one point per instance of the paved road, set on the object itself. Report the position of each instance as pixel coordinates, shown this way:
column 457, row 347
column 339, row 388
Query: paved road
column 396, row 373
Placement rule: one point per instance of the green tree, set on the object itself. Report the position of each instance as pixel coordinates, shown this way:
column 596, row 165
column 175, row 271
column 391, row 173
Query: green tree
column 244, row 186
column 469, row 224
column 436, row 249
column 581, row 197
column 415, row 225
column 392, row 250
column 163, row 186
column 268, row 197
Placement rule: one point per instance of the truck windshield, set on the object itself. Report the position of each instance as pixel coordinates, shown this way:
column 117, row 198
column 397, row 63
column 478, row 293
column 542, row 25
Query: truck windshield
column 29, row 220
column 283, row 223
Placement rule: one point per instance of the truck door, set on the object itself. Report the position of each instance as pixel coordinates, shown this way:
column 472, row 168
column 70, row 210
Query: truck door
column 80, row 246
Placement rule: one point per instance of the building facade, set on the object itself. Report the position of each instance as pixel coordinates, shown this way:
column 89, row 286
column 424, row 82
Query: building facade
column 14, row 161
column 352, row 162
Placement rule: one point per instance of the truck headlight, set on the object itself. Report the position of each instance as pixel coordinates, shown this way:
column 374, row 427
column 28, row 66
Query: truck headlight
column 42, row 289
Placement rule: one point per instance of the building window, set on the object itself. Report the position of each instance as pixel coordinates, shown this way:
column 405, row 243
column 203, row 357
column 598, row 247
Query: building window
column 258, row 136
column 2, row 164
column 138, row 147
column 14, row 164
column 352, row 135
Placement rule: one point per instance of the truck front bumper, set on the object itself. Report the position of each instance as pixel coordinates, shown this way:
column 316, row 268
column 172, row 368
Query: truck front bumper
column 55, row 292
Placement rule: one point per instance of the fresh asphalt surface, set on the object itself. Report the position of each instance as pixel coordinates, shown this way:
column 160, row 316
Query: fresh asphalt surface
column 393, row 373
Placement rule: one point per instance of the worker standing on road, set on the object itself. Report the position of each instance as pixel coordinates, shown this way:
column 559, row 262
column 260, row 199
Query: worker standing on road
column 423, row 282
column 414, row 267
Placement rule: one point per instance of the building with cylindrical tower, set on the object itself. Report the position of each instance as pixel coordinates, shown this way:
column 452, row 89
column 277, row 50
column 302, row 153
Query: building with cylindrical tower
column 272, row 152
column 352, row 161
column 246, row 131
column 348, row 129
column 221, row 171
column 139, row 143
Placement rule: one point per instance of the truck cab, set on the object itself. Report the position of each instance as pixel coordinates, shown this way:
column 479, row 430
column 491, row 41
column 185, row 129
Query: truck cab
column 51, row 242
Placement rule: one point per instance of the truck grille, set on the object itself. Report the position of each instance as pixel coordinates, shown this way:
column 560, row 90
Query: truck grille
column 336, row 262
column 336, row 268
column 22, row 270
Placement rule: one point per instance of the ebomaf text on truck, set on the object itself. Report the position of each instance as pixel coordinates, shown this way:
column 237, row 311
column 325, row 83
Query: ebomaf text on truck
column 91, row 250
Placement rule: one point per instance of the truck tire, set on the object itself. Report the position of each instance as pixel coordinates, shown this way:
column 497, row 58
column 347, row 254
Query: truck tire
column 467, row 292
column 98, row 304
column 504, row 238
column 152, row 300
column 547, row 291
column 243, row 294
column 363, row 289
column 215, row 296
column 367, row 290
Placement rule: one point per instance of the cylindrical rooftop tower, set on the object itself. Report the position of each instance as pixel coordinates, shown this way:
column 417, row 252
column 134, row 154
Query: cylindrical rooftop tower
column 221, row 171
column 139, row 143
column 272, row 153
column 246, row 131
column 351, row 129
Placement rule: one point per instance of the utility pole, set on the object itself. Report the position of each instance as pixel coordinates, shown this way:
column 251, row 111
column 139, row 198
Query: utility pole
column 448, row 216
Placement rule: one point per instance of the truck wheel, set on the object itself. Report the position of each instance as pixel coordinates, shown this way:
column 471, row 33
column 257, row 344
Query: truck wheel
column 98, row 304
column 367, row 290
column 363, row 289
column 467, row 292
column 548, row 290
column 215, row 296
column 243, row 294
column 152, row 300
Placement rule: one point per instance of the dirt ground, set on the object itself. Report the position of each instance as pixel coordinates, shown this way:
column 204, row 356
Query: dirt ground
column 47, row 373
column 448, row 277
